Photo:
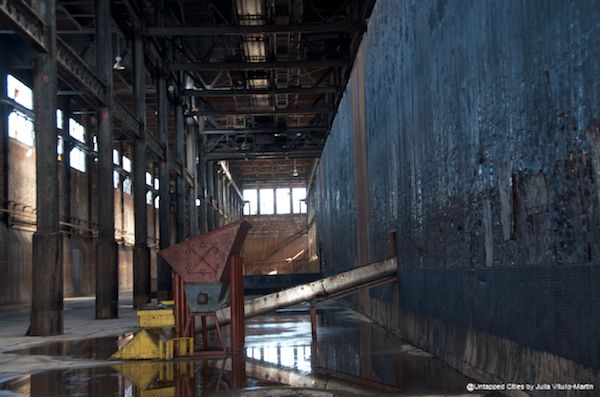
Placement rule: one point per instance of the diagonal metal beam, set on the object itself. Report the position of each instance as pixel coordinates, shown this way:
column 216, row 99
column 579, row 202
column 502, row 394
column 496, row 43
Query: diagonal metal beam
column 222, row 30
column 216, row 66
column 24, row 20
column 262, row 112
column 126, row 118
column 75, row 71
column 71, row 67
column 272, row 91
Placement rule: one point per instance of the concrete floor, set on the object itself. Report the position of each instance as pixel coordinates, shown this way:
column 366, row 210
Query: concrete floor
column 79, row 323
column 351, row 357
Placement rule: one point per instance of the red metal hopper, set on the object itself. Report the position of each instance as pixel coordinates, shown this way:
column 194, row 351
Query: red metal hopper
column 204, row 259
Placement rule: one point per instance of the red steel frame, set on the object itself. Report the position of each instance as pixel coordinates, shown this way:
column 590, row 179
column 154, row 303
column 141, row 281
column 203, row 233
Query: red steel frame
column 185, row 321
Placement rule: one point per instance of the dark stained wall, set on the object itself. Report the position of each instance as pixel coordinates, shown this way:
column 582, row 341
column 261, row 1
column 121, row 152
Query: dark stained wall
column 483, row 151
column 335, row 196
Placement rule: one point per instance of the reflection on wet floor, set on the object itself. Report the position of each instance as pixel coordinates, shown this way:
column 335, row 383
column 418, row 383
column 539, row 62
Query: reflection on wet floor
column 349, row 358
column 94, row 349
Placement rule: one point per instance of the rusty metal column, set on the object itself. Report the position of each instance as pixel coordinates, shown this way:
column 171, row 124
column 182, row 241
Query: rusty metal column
column 192, row 148
column 47, row 272
column 313, row 321
column 361, row 175
column 238, row 324
column 210, row 192
column 163, row 273
column 107, row 269
column 141, row 252
column 66, row 160
column 4, row 152
column 180, row 182
column 238, row 371
column 219, row 197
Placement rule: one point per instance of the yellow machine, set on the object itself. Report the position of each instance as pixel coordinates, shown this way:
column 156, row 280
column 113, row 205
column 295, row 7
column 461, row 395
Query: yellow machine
column 158, row 379
column 157, row 339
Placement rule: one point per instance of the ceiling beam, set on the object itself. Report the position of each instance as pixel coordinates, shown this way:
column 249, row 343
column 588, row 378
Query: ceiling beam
column 271, row 130
column 214, row 156
column 222, row 30
column 271, row 91
column 217, row 66
column 262, row 112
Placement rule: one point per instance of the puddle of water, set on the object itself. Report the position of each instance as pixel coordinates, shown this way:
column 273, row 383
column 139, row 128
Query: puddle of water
column 351, row 357
column 93, row 349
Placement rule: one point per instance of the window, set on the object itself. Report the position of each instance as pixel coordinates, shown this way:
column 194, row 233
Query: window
column 95, row 144
column 60, row 147
column 59, row 119
column 251, row 205
column 267, row 204
column 282, row 201
column 126, row 164
column 20, row 127
column 197, row 202
column 77, row 156
column 148, row 179
column 299, row 200
column 149, row 198
column 76, row 130
column 156, row 184
column 19, row 92
column 157, row 202
column 77, row 159
column 127, row 185
column 116, row 179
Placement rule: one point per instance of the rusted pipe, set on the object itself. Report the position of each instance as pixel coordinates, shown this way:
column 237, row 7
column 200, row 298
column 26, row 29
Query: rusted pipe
column 348, row 280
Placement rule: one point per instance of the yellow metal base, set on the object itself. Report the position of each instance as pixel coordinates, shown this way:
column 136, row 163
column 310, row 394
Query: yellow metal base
column 157, row 338
column 155, row 344
column 156, row 318
column 155, row 379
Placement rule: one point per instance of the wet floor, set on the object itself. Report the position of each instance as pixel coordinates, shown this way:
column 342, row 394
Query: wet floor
column 93, row 349
column 350, row 357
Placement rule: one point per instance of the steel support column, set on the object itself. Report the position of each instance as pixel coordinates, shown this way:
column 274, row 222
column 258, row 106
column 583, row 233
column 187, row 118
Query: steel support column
column 180, row 181
column 238, row 325
column 47, row 272
column 107, row 266
column 219, row 198
column 141, row 252
column 163, row 274
column 210, row 194
column 66, row 159
column 4, row 152
column 203, row 219
column 192, row 148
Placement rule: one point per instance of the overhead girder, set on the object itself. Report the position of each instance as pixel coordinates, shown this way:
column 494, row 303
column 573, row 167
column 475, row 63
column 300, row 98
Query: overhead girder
column 268, row 91
column 259, row 112
column 223, row 30
column 216, row 66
